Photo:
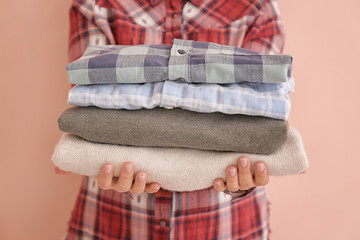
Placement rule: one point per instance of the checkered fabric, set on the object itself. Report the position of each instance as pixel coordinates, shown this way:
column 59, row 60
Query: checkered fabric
column 186, row 60
column 257, row 99
column 197, row 215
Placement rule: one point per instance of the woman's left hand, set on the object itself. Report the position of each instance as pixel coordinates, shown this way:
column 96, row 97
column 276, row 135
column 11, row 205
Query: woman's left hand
column 241, row 177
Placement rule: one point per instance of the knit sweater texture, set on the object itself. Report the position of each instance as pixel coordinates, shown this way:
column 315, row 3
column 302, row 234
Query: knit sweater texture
column 161, row 127
column 176, row 169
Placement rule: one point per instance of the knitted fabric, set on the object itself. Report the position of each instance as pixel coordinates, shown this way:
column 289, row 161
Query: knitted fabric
column 161, row 127
column 177, row 169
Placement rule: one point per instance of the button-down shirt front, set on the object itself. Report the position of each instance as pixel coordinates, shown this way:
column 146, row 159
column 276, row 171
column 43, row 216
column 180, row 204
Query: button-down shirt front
column 253, row 25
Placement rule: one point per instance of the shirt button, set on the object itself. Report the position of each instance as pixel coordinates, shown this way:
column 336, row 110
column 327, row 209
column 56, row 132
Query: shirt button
column 181, row 51
column 162, row 223
column 174, row 15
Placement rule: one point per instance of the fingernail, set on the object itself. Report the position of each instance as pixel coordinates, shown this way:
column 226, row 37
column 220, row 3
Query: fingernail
column 108, row 169
column 243, row 162
column 128, row 167
column 260, row 167
column 141, row 178
column 232, row 172
column 156, row 188
column 218, row 183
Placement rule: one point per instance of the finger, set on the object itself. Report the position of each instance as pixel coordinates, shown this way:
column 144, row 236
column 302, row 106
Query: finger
column 261, row 175
column 139, row 183
column 125, row 180
column 232, row 181
column 105, row 178
column 59, row 171
column 152, row 187
column 245, row 175
column 219, row 185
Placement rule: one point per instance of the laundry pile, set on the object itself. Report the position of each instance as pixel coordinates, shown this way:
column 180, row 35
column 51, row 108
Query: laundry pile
column 182, row 113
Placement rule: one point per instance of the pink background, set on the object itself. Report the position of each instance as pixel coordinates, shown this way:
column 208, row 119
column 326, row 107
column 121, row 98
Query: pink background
column 322, row 36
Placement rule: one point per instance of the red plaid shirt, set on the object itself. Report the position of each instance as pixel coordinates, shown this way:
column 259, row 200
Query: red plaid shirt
column 205, row 214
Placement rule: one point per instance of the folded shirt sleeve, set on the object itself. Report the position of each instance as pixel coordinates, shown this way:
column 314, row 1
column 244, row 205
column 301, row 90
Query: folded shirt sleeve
column 186, row 60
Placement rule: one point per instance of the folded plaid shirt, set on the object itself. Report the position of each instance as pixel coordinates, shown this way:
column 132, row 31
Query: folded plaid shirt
column 257, row 99
column 185, row 60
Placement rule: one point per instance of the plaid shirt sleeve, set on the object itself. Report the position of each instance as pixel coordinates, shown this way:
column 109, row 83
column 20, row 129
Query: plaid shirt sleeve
column 87, row 27
column 266, row 33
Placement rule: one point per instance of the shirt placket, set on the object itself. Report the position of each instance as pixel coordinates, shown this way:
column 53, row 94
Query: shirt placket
column 173, row 20
column 162, row 215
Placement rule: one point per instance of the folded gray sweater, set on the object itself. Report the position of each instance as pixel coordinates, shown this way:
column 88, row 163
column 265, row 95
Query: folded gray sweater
column 161, row 127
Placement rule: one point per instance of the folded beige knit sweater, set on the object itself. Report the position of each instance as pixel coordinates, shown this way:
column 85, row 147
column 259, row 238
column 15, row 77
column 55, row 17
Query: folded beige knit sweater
column 176, row 169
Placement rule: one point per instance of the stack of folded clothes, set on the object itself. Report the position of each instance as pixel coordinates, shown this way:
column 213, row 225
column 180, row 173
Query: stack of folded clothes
column 182, row 113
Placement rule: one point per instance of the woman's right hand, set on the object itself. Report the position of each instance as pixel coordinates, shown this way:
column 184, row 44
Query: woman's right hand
column 125, row 182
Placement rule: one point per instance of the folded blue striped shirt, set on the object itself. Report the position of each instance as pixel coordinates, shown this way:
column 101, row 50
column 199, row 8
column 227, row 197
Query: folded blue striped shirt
column 257, row 99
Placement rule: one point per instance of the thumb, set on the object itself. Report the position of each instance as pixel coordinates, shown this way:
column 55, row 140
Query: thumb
column 61, row 172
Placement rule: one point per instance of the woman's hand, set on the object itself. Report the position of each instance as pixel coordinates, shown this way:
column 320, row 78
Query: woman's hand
column 241, row 177
column 125, row 182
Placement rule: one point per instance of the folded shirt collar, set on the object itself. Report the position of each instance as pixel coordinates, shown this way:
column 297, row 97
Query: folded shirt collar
column 195, row 2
